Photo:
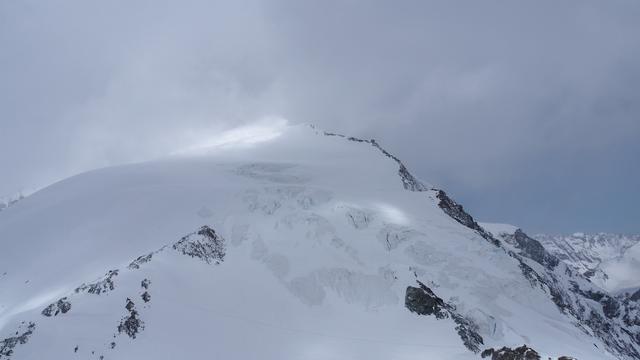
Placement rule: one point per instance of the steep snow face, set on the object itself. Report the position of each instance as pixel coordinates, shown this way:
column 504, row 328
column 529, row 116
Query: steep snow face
column 296, row 246
column 610, row 260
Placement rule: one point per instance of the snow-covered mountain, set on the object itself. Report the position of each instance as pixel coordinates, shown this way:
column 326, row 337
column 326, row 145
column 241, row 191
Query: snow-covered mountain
column 610, row 260
column 297, row 245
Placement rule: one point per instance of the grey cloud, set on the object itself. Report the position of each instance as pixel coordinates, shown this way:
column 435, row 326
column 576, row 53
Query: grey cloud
column 518, row 108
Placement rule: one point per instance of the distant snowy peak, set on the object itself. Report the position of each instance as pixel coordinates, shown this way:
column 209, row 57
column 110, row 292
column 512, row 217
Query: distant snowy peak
column 609, row 260
column 586, row 251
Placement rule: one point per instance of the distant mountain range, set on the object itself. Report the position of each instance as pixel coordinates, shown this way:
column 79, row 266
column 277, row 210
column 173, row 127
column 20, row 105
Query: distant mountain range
column 611, row 261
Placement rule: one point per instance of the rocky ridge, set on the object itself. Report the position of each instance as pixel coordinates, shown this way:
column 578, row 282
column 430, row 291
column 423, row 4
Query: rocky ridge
column 592, row 309
column 203, row 244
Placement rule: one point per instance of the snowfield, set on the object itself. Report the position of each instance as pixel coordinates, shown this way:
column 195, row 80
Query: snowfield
column 296, row 245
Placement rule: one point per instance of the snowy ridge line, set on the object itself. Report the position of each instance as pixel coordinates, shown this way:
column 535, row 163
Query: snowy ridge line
column 186, row 246
column 209, row 248
column 409, row 181
column 457, row 212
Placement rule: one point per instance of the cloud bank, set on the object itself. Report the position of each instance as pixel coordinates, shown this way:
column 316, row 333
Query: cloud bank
column 527, row 112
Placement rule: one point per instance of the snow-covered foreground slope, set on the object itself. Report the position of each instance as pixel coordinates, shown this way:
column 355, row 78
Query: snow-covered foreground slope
column 306, row 245
column 609, row 260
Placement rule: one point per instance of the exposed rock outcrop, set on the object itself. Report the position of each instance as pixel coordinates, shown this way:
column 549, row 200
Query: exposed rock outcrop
column 61, row 306
column 103, row 285
column 8, row 345
column 423, row 301
column 135, row 264
column 203, row 244
column 520, row 353
column 532, row 249
column 131, row 324
column 456, row 212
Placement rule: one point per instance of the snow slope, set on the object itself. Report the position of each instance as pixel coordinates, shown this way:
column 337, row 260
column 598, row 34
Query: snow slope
column 296, row 245
column 611, row 260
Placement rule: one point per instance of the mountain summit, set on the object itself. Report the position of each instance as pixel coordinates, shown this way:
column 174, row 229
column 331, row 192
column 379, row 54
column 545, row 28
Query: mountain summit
column 299, row 245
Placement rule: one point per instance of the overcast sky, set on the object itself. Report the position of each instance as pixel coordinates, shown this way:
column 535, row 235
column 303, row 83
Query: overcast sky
column 526, row 112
